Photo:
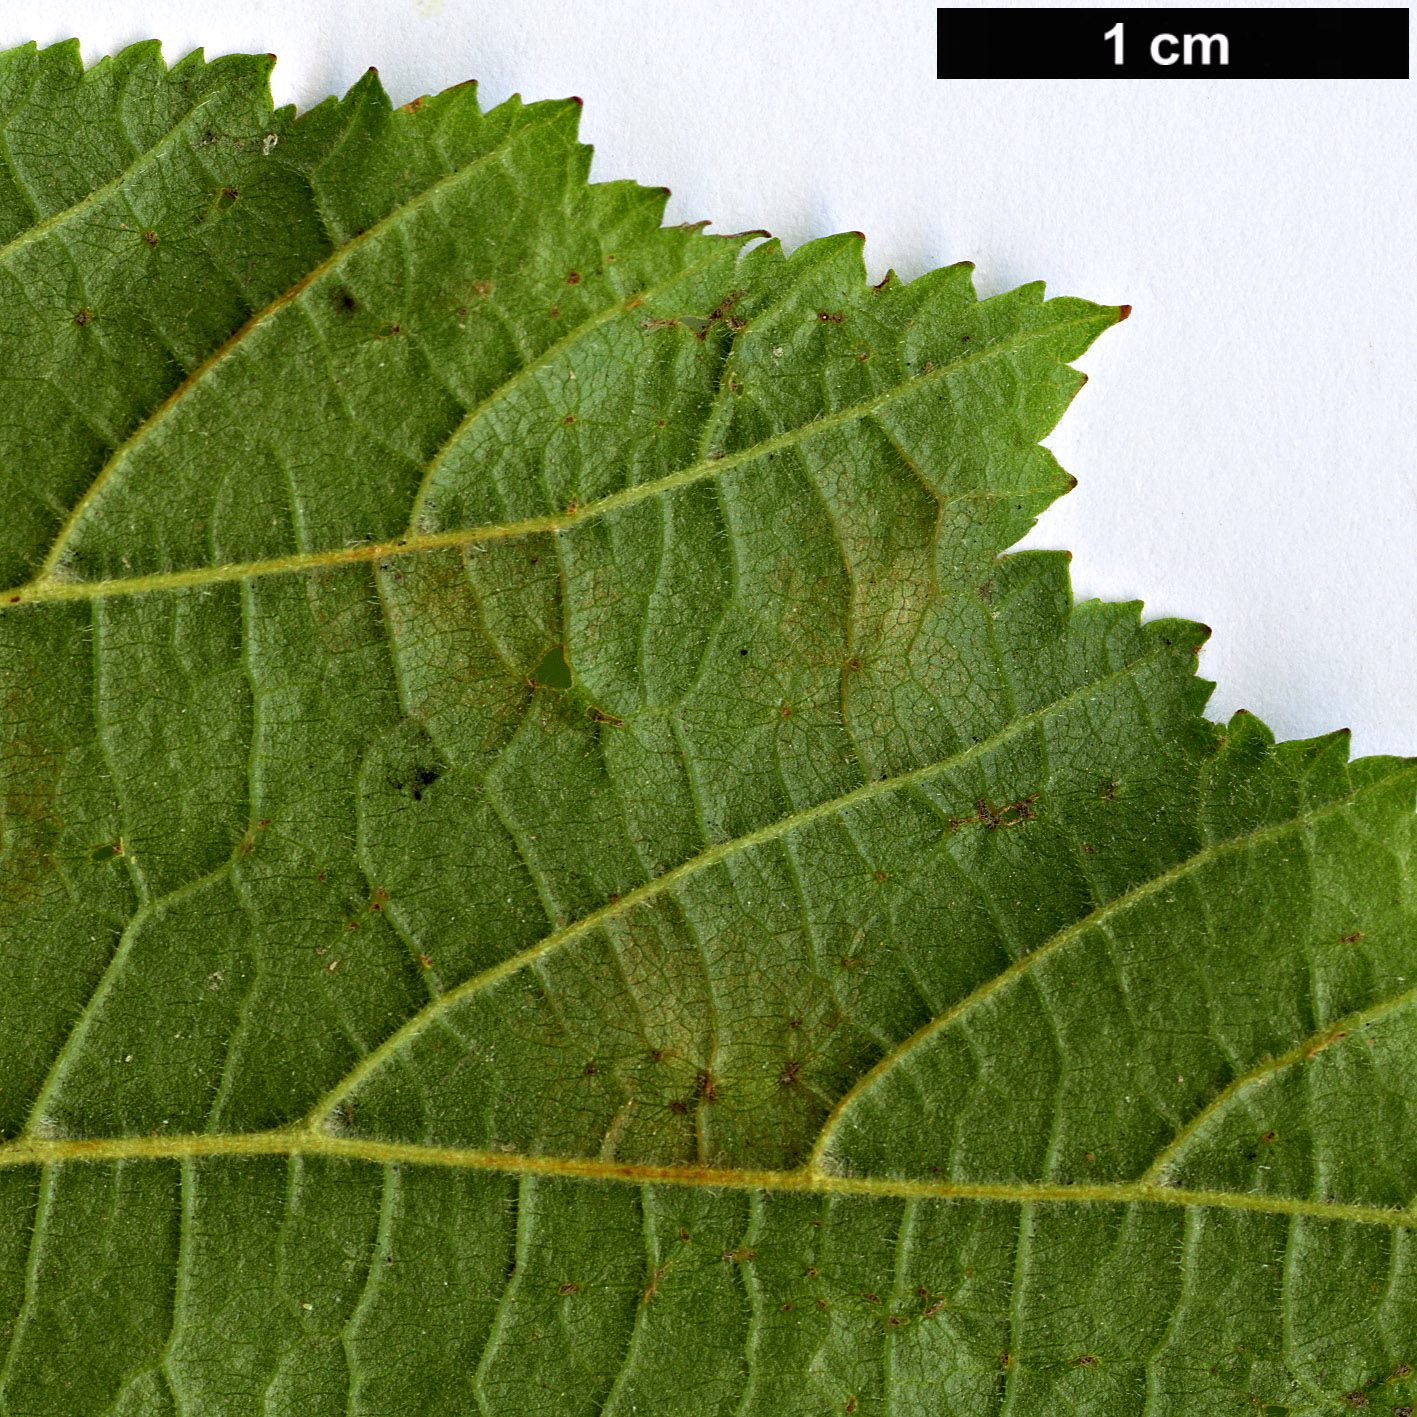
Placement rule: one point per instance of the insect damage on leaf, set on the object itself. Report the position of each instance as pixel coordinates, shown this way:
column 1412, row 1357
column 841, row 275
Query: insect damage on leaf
column 551, row 860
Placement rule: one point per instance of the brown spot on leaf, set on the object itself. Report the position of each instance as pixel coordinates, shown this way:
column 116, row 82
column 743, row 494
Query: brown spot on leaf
column 1334, row 1037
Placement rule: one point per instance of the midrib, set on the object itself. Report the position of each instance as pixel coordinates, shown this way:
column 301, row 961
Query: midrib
column 45, row 1151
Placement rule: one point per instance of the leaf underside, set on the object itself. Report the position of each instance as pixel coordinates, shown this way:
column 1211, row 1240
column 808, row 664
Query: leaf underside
column 550, row 864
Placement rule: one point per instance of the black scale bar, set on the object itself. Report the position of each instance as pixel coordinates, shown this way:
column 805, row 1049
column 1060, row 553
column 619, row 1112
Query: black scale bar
column 1172, row 44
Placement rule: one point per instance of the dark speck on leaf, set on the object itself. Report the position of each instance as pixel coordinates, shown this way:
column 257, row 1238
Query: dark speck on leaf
column 424, row 777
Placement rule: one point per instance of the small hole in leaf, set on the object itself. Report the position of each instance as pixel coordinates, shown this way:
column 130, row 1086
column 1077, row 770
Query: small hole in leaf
column 553, row 672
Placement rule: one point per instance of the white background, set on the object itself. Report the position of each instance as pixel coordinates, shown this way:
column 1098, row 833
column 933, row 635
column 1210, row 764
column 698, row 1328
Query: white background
column 1245, row 447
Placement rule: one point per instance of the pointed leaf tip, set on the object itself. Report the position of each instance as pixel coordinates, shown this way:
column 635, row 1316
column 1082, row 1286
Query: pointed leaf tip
column 660, row 657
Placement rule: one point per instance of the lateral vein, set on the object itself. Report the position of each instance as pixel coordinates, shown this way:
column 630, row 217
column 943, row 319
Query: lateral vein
column 48, row 586
column 49, row 1151
column 692, row 867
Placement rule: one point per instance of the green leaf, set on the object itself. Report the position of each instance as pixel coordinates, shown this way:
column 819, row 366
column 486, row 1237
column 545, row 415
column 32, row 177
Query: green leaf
column 552, row 864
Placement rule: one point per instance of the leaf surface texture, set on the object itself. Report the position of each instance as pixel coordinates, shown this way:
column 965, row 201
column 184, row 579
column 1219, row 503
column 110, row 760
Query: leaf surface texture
column 551, row 863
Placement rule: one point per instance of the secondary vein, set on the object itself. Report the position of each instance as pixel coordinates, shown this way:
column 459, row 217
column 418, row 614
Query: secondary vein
column 50, row 1151
column 49, row 586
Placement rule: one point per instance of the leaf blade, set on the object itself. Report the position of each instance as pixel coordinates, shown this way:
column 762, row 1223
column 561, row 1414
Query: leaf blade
column 673, row 903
